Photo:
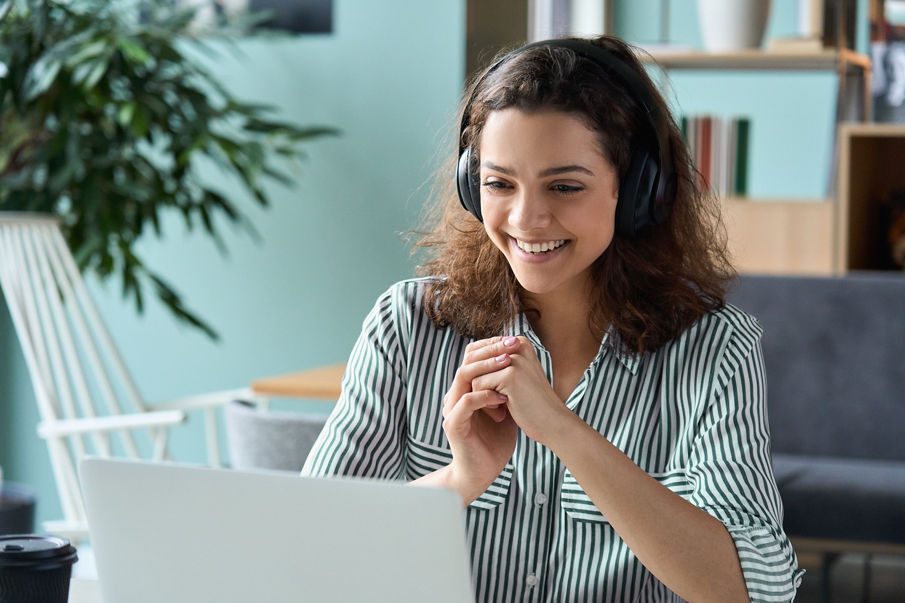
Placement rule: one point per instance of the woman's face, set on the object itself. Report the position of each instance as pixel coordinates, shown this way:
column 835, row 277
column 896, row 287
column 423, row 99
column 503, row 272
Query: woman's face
column 548, row 197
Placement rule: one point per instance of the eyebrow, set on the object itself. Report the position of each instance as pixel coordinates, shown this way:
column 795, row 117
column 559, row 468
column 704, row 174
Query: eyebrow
column 554, row 171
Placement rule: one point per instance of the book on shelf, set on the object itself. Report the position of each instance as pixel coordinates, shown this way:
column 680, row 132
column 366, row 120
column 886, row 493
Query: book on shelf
column 742, row 140
column 839, row 22
column 719, row 148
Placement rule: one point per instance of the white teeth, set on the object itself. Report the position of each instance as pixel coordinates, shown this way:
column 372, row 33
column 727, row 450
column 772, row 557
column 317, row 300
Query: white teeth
column 540, row 247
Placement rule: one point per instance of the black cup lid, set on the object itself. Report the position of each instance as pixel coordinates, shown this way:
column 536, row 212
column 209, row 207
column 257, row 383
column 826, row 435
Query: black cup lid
column 17, row 549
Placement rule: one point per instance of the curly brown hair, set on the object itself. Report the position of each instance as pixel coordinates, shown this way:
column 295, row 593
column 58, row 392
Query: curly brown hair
column 649, row 287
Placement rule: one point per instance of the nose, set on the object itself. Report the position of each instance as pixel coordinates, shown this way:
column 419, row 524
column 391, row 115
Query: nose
column 529, row 211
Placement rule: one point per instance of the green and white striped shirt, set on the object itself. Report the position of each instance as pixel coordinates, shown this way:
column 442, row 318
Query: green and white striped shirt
column 692, row 414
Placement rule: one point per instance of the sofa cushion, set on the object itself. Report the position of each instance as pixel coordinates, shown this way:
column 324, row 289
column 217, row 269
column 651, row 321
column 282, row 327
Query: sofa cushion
column 269, row 439
column 842, row 499
column 834, row 351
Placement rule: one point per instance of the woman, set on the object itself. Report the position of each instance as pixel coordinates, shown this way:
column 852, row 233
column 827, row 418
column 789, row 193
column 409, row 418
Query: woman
column 568, row 364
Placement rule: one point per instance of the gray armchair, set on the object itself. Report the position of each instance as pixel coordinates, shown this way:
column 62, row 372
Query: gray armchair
column 265, row 439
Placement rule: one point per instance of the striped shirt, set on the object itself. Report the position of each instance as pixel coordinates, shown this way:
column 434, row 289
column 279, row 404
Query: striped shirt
column 692, row 414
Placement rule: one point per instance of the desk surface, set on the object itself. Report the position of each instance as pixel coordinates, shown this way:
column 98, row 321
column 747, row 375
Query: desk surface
column 84, row 591
column 321, row 383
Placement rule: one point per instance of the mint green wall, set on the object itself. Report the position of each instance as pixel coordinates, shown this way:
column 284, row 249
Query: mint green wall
column 792, row 112
column 390, row 77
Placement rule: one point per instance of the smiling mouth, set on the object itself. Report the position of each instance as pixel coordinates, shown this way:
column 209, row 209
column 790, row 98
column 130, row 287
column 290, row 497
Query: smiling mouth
column 539, row 248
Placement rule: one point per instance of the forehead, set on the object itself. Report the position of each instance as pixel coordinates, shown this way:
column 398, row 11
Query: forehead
column 538, row 134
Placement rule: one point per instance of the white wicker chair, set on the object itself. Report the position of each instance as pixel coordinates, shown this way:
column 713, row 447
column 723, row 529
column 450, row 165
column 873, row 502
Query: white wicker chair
column 87, row 401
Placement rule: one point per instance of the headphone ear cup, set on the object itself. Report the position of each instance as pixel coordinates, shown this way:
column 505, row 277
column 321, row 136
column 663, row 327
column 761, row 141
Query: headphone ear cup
column 468, row 185
column 637, row 193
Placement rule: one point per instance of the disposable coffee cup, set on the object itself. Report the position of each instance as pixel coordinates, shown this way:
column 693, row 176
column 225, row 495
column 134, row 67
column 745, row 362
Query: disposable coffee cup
column 17, row 509
column 35, row 568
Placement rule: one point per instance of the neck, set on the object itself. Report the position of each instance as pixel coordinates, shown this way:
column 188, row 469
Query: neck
column 563, row 323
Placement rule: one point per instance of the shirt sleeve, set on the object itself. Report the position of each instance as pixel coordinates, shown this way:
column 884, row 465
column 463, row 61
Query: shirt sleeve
column 364, row 435
column 732, row 476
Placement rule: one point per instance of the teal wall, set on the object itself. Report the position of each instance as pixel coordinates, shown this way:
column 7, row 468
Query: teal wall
column 389, row 76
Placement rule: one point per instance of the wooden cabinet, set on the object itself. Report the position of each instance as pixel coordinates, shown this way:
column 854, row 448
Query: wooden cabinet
column 831, row 236
column 781, row 236
column 871, row 166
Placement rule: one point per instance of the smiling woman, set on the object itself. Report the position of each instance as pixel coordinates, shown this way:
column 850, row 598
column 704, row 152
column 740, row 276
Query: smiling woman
column 567, row 363
column 552, row 209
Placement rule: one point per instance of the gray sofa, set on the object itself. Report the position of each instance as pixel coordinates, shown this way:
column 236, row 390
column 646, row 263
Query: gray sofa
column 834, row 350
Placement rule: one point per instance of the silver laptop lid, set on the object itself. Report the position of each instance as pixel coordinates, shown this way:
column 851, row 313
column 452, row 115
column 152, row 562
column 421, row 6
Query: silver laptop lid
column 164, row 532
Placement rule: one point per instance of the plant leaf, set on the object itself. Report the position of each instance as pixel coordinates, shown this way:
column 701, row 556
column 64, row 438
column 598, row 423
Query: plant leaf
column 133, row 51
column 104, row 120
column 41, row 76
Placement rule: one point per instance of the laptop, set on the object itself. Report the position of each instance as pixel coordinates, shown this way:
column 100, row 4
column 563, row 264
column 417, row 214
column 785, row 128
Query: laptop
column 168, row 533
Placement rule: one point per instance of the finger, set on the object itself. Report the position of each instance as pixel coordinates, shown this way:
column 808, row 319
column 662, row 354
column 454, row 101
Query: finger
column 481, row 343
column 476, row 370
column 524, row 344
column 497, row 413
column 494, row 380
column 482, row 356
column 461, row 413
column 488, row 348
column 467, row 373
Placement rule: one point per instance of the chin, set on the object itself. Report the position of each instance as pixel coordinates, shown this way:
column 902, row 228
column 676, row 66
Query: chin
column 537, row 288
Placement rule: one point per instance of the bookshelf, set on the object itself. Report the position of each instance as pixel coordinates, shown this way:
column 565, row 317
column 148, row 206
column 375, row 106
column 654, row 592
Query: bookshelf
column 870, row 168
column 791, row 236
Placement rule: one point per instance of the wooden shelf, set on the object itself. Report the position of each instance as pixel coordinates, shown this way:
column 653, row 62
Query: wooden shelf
column 780, row 236
column 870, row 167
column 759, row 60
column 826, row 236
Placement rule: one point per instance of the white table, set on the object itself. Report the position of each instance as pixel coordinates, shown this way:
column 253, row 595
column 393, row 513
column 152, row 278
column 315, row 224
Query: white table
column 84, row 591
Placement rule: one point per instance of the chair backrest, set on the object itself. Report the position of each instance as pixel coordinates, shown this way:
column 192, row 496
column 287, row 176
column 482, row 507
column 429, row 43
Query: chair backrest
column 267, row 439
column 834, row 350
column 74, row 366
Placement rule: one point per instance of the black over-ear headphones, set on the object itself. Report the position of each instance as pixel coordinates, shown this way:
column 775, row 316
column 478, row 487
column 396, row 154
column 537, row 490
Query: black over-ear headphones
column 647, row 189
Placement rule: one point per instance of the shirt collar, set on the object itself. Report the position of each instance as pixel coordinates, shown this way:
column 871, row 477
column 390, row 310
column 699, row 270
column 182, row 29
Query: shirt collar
column 612, row 340
column 611, row 343
column 521, row 326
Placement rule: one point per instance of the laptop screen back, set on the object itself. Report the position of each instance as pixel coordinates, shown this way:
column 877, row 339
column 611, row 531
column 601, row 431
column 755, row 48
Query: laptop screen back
column 163, row 532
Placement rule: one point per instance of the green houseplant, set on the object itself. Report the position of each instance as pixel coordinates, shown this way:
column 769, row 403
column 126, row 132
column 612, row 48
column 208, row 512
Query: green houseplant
column 103, row 119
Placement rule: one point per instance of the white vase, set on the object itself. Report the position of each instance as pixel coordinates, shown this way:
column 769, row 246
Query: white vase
column 729, row 25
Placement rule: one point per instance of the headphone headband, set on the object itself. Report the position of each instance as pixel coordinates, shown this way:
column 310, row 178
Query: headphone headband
column 646, row 190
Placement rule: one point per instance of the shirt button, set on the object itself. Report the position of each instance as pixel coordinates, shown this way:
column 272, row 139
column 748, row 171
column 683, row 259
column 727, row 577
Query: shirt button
column 531, row 580
column 540, row 498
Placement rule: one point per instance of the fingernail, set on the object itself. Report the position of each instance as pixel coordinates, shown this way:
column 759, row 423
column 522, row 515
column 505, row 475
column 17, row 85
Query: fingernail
column 502, row 357
column 509, row 340
column 502, row 396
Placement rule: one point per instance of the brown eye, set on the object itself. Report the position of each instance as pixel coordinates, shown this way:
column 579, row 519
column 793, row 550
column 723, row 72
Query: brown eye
column 566, row 189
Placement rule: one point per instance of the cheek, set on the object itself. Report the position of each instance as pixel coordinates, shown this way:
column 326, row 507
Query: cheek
column 495, row 236
column 493, row 219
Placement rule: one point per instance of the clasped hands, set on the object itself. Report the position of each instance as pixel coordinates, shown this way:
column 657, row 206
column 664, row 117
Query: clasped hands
column 499, row 388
